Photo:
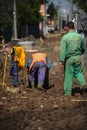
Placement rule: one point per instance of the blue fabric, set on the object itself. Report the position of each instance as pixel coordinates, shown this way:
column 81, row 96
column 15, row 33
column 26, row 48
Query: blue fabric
column 29, row 63
column 14, row 70
column 40, row 68
column 12, row 65
column 15, row 74
column 48, row 64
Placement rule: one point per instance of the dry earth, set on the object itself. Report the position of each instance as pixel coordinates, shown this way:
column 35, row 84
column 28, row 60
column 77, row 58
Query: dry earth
column 29, row 109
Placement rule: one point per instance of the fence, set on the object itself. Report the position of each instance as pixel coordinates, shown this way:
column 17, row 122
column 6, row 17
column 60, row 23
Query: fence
column 22, row 31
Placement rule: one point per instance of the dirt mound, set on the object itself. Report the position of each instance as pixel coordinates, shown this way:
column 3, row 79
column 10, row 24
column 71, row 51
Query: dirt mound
column 32, row 109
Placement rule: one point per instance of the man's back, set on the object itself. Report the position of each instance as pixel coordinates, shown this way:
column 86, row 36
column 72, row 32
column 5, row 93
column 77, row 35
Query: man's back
column 72, row 44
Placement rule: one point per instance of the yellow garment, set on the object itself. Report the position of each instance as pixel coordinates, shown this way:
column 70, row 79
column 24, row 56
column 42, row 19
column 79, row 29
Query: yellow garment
column 19, row 56
column 37, row 57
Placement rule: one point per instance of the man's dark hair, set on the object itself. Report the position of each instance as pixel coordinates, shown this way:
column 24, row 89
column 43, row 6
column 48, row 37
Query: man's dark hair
column 70, row 25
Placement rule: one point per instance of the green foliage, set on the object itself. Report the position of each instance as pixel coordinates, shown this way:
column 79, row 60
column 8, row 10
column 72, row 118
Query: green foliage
column 27, row 12
column 81, row 4
column 6, row 13
column 52, row 11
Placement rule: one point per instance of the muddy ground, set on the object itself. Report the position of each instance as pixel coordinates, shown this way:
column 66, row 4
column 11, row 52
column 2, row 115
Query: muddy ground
column 32, row 109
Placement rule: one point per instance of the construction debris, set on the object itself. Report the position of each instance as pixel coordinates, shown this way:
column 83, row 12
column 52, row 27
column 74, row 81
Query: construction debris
column 12, row 90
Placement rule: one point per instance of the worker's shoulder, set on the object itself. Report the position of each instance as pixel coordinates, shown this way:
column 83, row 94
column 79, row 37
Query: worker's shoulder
column 78, row 35
column 70, row 34
column 65, row 36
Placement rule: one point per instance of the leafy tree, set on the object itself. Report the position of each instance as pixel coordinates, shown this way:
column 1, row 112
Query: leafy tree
column 6, row 13
column 27, row 12
column 81, row 4
column 51, row 11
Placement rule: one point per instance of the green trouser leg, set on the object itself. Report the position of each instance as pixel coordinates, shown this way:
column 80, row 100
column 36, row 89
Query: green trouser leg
column 73, row 69
column 68, row 80
column 78, row 74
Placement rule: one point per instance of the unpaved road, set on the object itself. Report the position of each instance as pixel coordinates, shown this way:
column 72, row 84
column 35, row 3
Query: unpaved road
column 37, row 110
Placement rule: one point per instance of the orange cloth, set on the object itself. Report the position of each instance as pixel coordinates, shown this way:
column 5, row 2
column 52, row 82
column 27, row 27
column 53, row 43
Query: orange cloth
column 37, row 57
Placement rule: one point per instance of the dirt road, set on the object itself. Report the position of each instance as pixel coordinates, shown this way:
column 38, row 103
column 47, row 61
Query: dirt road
column 29, row 109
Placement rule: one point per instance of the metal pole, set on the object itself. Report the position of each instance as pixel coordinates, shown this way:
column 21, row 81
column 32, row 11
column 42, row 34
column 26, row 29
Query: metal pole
column 71, row 10
column 44, row 24
column 66, row 13
column 15, row 21
column 59, row 15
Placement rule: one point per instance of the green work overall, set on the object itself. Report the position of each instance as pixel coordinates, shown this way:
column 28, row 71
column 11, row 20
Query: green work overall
column 72, row 46
column 73, row 68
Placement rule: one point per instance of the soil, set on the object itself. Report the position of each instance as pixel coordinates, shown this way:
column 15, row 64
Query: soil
column 24, row 108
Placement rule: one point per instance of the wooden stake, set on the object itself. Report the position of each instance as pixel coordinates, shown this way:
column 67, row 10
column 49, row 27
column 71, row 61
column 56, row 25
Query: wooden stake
column 78, row 100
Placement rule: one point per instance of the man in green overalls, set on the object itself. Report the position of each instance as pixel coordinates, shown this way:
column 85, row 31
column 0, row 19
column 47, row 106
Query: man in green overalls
column 72, row 47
